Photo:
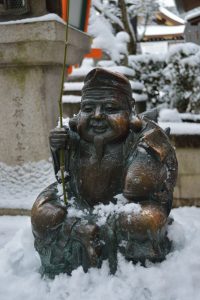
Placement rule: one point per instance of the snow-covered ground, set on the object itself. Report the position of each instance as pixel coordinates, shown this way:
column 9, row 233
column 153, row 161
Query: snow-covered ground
column 20, row 185
column 177, row 278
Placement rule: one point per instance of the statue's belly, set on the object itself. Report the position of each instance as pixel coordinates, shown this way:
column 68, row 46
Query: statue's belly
column 99, row 183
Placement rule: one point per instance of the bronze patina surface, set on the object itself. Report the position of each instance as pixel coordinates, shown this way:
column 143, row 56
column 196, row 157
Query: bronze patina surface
column 108, row 151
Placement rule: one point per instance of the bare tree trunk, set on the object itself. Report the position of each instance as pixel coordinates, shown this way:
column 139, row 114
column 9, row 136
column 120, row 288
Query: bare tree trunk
column 132, row 46
column 145, row 27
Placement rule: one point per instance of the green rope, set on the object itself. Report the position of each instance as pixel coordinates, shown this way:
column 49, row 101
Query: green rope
column 62, row 154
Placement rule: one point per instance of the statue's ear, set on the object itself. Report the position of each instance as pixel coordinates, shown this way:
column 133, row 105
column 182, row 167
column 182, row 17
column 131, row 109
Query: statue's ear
column 73, row 123
column 136, row 123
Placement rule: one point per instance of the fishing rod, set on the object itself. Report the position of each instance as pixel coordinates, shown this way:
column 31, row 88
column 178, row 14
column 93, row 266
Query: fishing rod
column 62, row 154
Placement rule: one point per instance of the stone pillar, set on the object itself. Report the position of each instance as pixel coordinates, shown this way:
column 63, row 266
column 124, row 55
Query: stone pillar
column 187, row 190
column 31, row 57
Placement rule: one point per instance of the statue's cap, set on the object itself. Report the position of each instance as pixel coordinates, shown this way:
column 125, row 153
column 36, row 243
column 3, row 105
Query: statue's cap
column 100, row 78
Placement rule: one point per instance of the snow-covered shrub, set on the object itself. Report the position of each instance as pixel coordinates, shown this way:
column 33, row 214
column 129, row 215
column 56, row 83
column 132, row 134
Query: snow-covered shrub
column 149, row 71
column 181, row 86
column 173, row 79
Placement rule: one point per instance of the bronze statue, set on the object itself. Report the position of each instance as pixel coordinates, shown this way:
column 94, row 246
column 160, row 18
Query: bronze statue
column 108, row 151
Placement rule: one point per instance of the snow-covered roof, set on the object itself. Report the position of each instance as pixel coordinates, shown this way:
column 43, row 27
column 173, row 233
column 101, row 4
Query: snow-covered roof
column 171, row 15
column 193, row 14
column 160, row 30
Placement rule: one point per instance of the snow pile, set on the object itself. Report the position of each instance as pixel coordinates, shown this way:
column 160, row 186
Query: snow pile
column 183, row 51
column 169, row 115
column 86, row 66
column 182, row 128
column 72, row 211
column 175, row 120
column 172, row 115
column 176, row 278
column 107, row 29
column 104, row 38
column 191, row 117
column 20, row 185
column 102, row 212
column 122, row 206
column 106, row 63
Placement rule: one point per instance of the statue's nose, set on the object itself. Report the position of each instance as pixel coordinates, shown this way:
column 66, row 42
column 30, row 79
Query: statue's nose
column 98, row 113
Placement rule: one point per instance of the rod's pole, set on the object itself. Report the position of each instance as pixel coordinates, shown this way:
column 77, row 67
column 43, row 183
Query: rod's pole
column 62, row 154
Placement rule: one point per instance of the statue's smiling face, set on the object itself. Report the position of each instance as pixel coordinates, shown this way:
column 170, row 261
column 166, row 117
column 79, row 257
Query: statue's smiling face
column 104, row 114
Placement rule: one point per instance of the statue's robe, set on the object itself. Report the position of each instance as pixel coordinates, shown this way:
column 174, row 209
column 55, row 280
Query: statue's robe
column 143, row 168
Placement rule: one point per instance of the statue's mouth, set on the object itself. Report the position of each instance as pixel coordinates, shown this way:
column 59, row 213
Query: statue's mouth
column 99, row 129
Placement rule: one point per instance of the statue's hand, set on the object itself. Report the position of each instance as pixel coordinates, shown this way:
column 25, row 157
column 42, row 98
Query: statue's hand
column 59, row 138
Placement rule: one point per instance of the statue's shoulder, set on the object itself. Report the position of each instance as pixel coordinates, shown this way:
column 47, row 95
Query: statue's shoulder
column 153, row 139
column 156, row 139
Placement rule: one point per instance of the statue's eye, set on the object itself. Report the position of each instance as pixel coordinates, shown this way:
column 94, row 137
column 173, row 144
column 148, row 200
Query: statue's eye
column 87, row 109
column 111, row 109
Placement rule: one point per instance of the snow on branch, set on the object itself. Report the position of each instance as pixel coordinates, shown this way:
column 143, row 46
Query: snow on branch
column 103, row 10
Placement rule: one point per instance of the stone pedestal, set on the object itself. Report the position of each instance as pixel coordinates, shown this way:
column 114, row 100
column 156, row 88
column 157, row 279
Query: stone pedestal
column 31, row 58
column 187, row 190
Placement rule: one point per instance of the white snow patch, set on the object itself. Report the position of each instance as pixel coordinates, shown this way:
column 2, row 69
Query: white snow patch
column 175, row 278
column 187, row 49
column 73, row 212
column 137, row 85
column 182, row 128
column 65, row 122
column 169, row 115
column 160, row 30
column 48, row 17
column 122, row 206
column 140, row 97
column 86, row 66
column 123, row 70
column 190, row 116
column 160, row 47
column 106, row 63
column 73, row 86
column 104, row 37
column 71, row 99
column 20, row 185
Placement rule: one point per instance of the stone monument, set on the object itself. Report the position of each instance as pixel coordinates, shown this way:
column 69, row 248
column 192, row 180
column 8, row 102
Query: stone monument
column 32, row 53
column 120, row 174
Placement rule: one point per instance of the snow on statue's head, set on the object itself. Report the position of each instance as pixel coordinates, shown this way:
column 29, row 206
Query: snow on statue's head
column 106, row 107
